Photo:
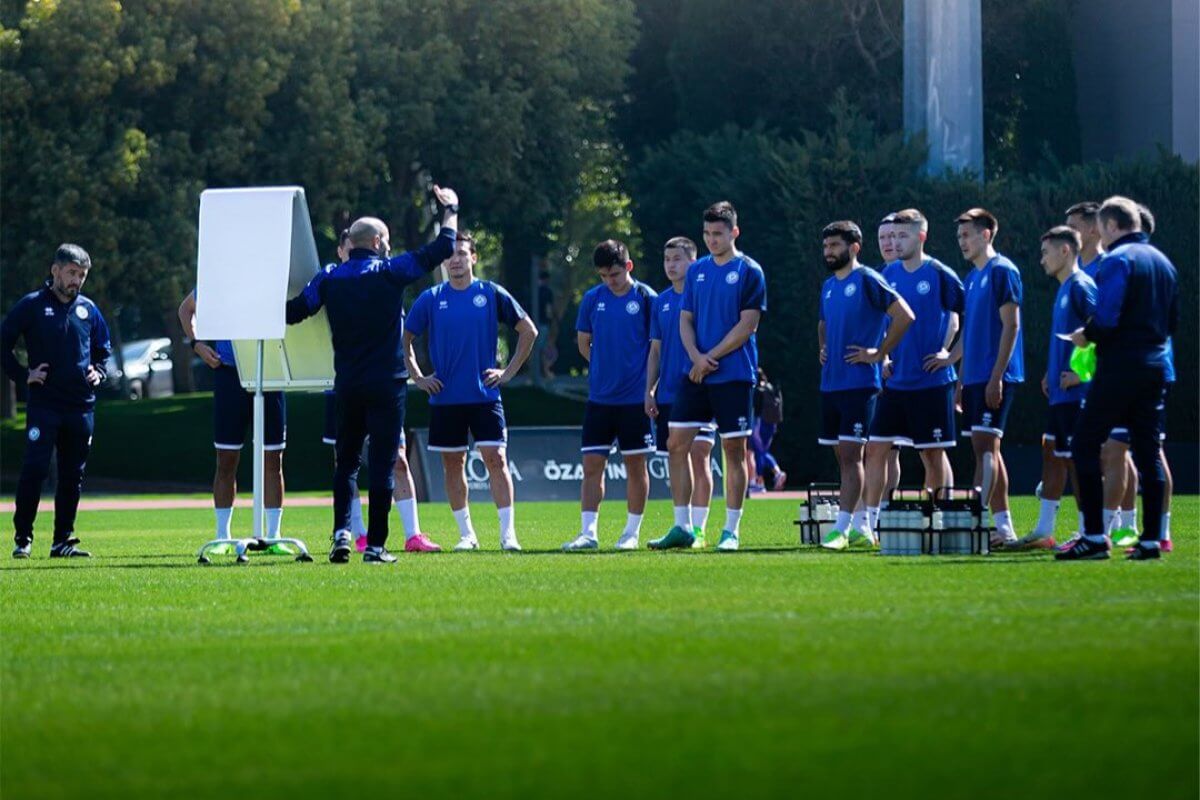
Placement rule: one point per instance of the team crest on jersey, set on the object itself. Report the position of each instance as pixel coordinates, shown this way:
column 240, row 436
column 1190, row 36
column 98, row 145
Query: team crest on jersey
column 35, row 433
column 850, row 290
column 666, row 307
column 81, row 312
column 923, row 287
column 1063, row 302
column 479, row 300
column 731, row 278
column 699, row 277
column 633, row 307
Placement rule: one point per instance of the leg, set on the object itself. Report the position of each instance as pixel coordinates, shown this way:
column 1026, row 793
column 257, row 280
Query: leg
column 41, row 431
column 225, row 479
column 892, row 474
column 679, row 448
column 403, row 486
column 499, row 478
column 348, row 459
column 1144, row 442
column 736, row 476
column 1054, row 472
column 592, row 491
column 638, row 483
column 702, row 485
column 383, row 426
column 1113, row 458
column 273, row 479
column 454, row 466
column 878, row 455
column 937, row 468
column 850, row 462
column 74, row 443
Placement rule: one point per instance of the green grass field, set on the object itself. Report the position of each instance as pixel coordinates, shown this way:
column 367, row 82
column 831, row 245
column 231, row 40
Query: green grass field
column 775, row 671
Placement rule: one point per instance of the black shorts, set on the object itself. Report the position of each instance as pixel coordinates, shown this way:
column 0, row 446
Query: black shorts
column 233, row 413
column 1122, row 434
column 920, row 418
column 329, row 434
column 977, row 417
column 846, row 415
column 662, row 429
column 1060, row 426
column 730, row 404
column 627, row 425
column 450, row 424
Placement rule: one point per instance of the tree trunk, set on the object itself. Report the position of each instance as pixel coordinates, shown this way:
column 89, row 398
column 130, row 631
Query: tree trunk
column 181, row 355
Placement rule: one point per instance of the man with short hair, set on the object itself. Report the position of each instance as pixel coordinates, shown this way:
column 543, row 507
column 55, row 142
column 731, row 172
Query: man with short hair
column 1074, row 305
column 917, row 407
column 613, row 336
column 1082, row 218
column 461, row 319
column 363, row 298
column 66, row 340
column 887, row 251
column 993, row 360
column 724, row 298
column 666, row 370
column 862, row 320
column 1137, row 311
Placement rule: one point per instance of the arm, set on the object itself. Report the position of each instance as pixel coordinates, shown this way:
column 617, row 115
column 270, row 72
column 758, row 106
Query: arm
column 1111, row 281
column 947, row 356
column 901, row 317
column 11, row 330
column 822, row 354
column 526, row 335
column 426, row 383
column 1010, row 323
column 652, row 364
column 307, row 303
column 583, row 340
column 187, row 316
column 101, row 349
column 738, row 335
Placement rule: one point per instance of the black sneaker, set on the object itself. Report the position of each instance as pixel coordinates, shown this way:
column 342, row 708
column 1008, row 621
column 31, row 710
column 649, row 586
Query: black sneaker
column 68, row 549
column 377, row 555
column 22, row 549
column 1085, row 549
column 340, row 552
column 1140, row 553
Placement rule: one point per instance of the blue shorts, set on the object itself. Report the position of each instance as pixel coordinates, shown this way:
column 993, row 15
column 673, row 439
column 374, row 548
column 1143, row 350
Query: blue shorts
column 1122, row 434
column 846, row 415
column 627, row 425
column 233, row 413
column 662, row 429
column 329, row 434
column 977, row 417
column 1060, row 426
column 730, row 404
column 450, row 424
column 920, row 418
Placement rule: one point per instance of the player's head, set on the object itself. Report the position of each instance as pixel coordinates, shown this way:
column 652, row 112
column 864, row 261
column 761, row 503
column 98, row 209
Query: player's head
column 69, row 270
column 678, row 254
column 720, row 228
column 371, row 234
column 343, row 248
column 909, row 231
column 611, row 259
column 1118, row 216
column 887, row 230
column 1060, row 249
column 841, row 242
column 1083, row 218
column 462, row 262
column 976, row 230
column 1146, row 219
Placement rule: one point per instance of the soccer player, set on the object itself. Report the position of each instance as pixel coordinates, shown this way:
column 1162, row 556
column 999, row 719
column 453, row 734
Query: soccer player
column 1137, row 310
column 1082, row 218
column 66, row 341
column 724, row 298
column 613, row 335
column 858, row 308
column 233, row 413
column 993, row 360
column 1074, row 305
column 363, row 298
column 666, row 370
column 917, row 407
column 460, row 317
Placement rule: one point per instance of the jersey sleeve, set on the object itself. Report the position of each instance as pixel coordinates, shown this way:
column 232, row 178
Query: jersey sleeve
column 308, row 302
column 1083, row 299
column 583, row 322
column 417, row 320
column 754, row 292
column 655, row 326
column 415, row 263
column 952, row 294
column 879, row 295
column 1006, row 286
column 508, row 310
column 101, row 347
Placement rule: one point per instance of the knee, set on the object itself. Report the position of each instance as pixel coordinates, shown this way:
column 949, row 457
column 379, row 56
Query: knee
column 593, row 467
column 735, row 449
column 400, row 467
column 227, row 464
column 678, row 442
column 494, row 460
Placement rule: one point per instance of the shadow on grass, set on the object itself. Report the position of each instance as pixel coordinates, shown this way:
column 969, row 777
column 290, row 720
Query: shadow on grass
column 12, row 570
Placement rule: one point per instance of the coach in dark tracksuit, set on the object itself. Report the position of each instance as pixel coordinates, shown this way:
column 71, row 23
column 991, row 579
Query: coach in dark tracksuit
column 363, row 299
column 1137, row 309
column 67, row 342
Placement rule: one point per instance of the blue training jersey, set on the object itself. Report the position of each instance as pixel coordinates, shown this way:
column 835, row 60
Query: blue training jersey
column 933, row 292
column 1091, row 267
column 620, row 329
column 463, row 328
column 716, row 295
column 673, row 361
column 854, row 310
column 1074, row 305
column 988, row 288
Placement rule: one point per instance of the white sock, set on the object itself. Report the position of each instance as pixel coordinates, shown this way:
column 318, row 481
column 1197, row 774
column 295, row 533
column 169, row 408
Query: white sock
column 1003, row 520
column 506, row 520
column 1081, row 522
column 1112, row 519
column 633, row 524
column 843, row 521
column 274, row 518
column 1166, row 527
column 733, row 518
column 590, row 521
column 860, row 521
column 224, row 516
column 1129, row 519
column 463, row 518
column 357, row 526
column 1049, row 512
column 700, row 517
column 872, row 516
column 683, row 516
column 408, row 517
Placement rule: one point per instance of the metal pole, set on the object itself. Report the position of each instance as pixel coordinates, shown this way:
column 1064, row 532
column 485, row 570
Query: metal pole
column 259, row 432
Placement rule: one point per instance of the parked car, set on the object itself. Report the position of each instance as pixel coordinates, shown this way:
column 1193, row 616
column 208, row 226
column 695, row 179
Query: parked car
column 148, row 370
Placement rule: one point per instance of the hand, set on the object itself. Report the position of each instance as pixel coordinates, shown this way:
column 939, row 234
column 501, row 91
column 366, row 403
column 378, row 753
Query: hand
column 494, row 378
column 822, row 355
column 650, row 405
column 1068, row 379
column 887, row 368
column 207, row 354
column 939, row 360
column 37, row 375
column 863, row 355
column 958, row 398
column 1045, row 386
column 93, row 376
column 995, row 393
column 428, row 384
column 445, row 196
column 1078, row 339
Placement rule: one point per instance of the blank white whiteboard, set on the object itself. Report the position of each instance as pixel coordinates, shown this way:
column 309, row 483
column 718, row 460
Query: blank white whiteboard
column 256, row 250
